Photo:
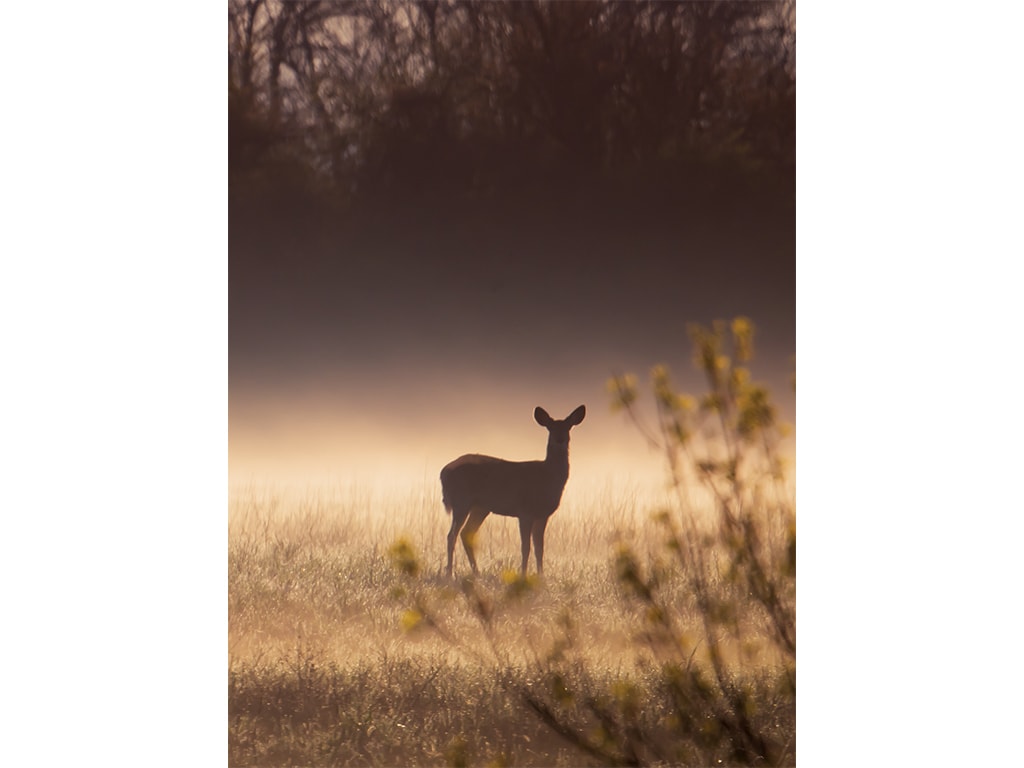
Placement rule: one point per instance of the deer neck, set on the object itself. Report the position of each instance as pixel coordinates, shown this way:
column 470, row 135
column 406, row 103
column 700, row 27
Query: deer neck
column 557, row 460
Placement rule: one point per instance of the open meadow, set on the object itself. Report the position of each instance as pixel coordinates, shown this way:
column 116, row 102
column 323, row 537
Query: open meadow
column 446, row 217
column 349, row 646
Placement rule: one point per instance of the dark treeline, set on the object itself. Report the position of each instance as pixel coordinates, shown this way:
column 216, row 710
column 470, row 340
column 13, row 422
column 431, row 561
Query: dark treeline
column 365, row 106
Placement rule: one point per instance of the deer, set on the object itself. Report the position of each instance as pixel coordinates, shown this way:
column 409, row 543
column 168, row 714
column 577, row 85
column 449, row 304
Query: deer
column 473, row 486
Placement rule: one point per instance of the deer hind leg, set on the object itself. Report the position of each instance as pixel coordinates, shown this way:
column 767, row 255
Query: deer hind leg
column 476, row 519
column 458, row 520
column 524, row 533
column 538, row 542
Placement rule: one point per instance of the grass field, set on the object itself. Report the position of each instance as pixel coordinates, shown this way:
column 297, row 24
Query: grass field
column 338, row 656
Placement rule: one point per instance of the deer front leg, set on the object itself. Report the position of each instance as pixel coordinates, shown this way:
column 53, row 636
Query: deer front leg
column 524, row 533
column 538, row 543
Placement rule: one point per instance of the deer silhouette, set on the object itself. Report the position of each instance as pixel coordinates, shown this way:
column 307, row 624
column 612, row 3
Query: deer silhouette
column 474, row 486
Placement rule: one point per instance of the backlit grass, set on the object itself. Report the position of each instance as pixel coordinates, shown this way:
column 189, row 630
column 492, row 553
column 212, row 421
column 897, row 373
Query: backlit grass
column 338, row 658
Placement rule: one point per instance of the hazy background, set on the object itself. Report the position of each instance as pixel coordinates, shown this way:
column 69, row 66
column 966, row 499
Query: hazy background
column 443, row 215
column 115, row 335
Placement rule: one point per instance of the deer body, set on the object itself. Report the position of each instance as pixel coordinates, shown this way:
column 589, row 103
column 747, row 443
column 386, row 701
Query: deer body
column 474, row 486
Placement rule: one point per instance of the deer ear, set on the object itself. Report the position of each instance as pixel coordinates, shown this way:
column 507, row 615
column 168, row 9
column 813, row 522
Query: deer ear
column 542, row 417
column 576, row 416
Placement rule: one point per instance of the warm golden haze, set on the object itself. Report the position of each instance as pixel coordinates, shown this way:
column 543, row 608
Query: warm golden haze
column 442, row 214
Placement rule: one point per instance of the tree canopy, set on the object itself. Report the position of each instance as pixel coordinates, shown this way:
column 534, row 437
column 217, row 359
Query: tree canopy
column 353, row 102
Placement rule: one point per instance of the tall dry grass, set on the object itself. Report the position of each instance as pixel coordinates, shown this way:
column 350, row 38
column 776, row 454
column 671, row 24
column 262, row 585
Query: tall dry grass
column 338, row 658
column 313, row 564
